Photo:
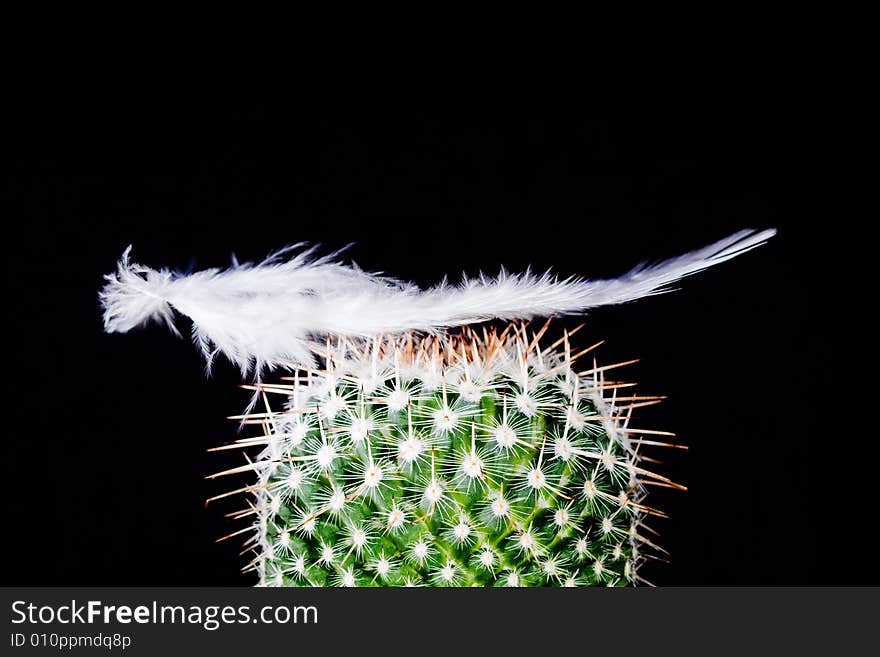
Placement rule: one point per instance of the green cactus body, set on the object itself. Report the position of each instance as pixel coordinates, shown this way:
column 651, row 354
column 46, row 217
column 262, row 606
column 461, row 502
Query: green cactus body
column 462, row 460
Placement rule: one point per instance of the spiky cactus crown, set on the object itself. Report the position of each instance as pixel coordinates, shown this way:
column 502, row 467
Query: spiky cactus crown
column 475, row 459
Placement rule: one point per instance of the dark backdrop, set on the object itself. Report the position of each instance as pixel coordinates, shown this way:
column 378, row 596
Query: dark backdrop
column 448, row 146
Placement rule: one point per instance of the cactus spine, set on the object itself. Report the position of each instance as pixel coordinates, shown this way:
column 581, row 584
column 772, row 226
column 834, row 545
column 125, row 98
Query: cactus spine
column 480, row 458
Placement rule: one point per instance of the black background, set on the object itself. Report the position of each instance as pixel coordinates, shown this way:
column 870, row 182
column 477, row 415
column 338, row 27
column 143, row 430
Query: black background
column 438, row 147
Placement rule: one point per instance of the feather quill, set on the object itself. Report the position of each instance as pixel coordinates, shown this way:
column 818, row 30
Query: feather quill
column 270, row 314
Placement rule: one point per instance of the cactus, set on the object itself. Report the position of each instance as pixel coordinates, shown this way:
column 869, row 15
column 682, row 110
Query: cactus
column 470, row 459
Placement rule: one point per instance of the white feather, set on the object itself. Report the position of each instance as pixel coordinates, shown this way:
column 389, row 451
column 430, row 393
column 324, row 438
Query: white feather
column 261, row 316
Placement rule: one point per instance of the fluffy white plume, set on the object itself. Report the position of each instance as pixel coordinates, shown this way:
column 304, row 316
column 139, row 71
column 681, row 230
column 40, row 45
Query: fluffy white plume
column 260, row 316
